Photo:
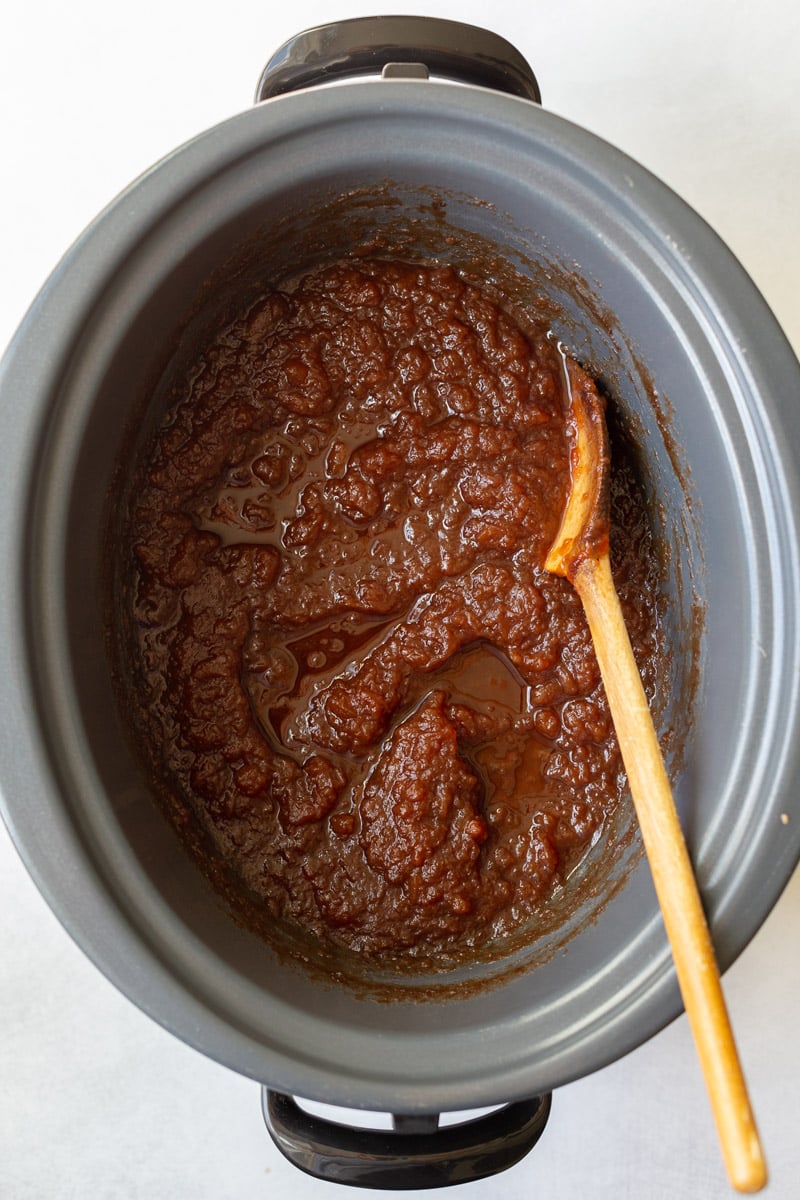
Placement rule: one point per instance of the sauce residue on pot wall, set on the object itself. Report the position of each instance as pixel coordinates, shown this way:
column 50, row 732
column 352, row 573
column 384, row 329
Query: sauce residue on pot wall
column 349, row 670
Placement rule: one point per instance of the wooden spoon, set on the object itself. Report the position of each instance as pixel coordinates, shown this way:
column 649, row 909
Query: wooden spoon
column 580, row 553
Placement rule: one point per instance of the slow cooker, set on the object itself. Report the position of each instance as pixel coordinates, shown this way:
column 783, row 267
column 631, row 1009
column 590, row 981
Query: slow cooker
column 436, row 143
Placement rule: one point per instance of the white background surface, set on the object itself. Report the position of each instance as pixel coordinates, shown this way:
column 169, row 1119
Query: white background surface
column 97, row 1101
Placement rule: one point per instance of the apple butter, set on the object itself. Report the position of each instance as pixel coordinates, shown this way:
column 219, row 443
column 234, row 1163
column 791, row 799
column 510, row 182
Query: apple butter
column 350, row 670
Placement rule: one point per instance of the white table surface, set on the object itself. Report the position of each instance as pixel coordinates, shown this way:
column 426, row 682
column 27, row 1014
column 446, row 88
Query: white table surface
column 96, row 1101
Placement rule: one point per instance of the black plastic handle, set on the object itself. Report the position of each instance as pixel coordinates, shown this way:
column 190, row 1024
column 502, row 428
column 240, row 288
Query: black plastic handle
column 368, row 45
column 417, row 1154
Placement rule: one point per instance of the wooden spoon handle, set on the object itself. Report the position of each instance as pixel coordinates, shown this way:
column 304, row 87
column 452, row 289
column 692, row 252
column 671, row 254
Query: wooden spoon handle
column 675, row 884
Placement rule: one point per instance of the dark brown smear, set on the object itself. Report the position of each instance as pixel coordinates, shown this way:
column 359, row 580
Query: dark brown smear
column 349, row 668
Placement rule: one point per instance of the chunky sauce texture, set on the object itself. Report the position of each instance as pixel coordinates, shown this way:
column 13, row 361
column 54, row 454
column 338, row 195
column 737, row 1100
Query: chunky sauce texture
column 350, row 669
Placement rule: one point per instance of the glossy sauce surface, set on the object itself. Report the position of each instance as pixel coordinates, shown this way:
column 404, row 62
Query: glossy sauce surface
column 350, row 670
